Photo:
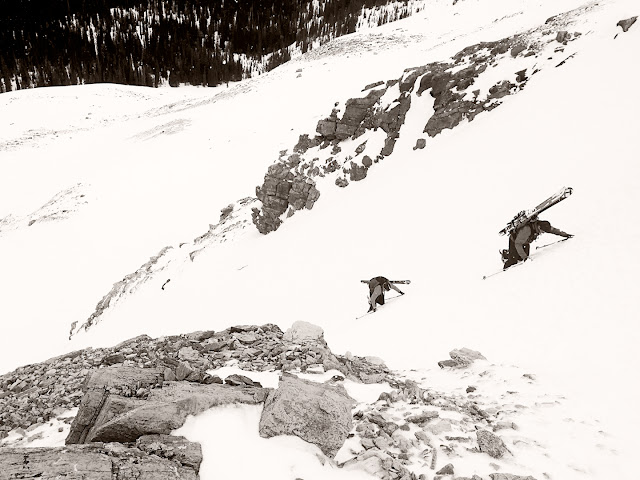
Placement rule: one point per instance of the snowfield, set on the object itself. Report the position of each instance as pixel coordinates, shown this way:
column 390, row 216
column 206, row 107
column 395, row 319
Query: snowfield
column 97, row 179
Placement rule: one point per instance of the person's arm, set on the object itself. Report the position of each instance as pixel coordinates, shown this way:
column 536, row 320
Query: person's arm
column 395, row 288
column 546, row 227
column 520, row 240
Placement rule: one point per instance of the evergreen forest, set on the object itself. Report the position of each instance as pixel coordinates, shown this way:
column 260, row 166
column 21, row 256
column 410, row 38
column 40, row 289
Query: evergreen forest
column 151, row 42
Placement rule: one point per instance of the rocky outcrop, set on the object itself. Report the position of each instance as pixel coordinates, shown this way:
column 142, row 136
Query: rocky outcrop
column 384, row 106
column 158, row 459
column 105, row 417
column 461, row 358
column 317, row 413
column 303, row 332
column 357, row 111
column 34, row 394
column 283, row 189
column 60, row 207
column 233, row 219
column 411, row 427
column 627, row 23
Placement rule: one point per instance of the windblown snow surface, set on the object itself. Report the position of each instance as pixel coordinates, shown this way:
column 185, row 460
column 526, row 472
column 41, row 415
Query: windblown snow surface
column 97, row 179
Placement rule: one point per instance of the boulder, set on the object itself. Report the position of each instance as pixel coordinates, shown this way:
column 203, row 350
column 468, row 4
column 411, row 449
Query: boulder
column 303, row 331
column 420, row 144
column 95, row 462
column 317, row 413
column 509, row 476
column 121, row 376
column 517, row 49
column 241, row 381
column 461, row 358
column 104, row 417
column 173, row 448
column 446, row 470
column 466, row 355
column 490, row 443
column 626, row 24
column 357, row 172
column 327, row 128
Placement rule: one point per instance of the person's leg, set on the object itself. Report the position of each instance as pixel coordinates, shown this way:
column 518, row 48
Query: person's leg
column 510, row 257
column 374, row 298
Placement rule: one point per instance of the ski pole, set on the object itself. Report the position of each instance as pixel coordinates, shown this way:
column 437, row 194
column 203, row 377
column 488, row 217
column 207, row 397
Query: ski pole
column 552, row 243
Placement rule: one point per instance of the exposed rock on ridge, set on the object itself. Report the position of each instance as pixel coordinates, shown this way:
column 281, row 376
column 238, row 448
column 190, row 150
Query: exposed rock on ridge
column 38, row 393
column 233, row 220
column 154, row 458
column 450, row 83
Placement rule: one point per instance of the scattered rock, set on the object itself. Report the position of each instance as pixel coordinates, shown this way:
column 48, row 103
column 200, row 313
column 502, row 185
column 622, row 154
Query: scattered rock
column 420, row 144
column 423, row 417
column 446, row 470
column 173, row 448
column 461, row 358
column 240, row 381
column 626, row 24
column 509, row 476
column 491, row 444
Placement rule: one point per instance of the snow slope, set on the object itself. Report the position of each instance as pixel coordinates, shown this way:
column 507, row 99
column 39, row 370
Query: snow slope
column 157, row 166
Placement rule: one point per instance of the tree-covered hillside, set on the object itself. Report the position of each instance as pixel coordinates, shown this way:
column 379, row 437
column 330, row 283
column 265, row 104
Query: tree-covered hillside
column 146, row 42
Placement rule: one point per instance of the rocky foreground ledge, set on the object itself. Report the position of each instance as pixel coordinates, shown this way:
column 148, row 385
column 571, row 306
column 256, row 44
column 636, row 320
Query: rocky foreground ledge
column 132, row 396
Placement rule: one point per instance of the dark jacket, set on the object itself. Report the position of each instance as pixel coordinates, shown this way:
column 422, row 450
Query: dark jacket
column 375, row 281
column 529, row 232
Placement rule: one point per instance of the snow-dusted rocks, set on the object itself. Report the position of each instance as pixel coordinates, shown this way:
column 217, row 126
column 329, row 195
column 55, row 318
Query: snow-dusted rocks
column 317, row 413
column 153, row 458
column 109, row 417
column 461, row 358
column 303, row 331
column 462, row 87
column 283, row 189
column 36, row 394
column 60, row 207
column 172, row 447
column 490, row 444
column 509, row 476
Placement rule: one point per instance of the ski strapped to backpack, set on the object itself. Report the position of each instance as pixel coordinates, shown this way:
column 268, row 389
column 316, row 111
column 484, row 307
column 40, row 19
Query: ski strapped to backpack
column 525, row 216
column 399, row 282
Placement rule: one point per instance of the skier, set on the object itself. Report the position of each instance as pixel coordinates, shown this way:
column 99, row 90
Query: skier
column 521, row 238
column 377, row 287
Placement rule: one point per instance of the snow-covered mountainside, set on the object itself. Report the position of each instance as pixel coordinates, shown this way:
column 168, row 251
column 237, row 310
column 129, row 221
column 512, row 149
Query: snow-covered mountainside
column 128, row 211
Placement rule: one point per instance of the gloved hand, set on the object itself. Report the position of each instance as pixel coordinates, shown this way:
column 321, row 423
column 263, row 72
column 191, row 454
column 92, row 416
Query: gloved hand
column 401, row 293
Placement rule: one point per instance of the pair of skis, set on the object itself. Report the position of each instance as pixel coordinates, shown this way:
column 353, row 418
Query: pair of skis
column 525, row 216
column 398, row 282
